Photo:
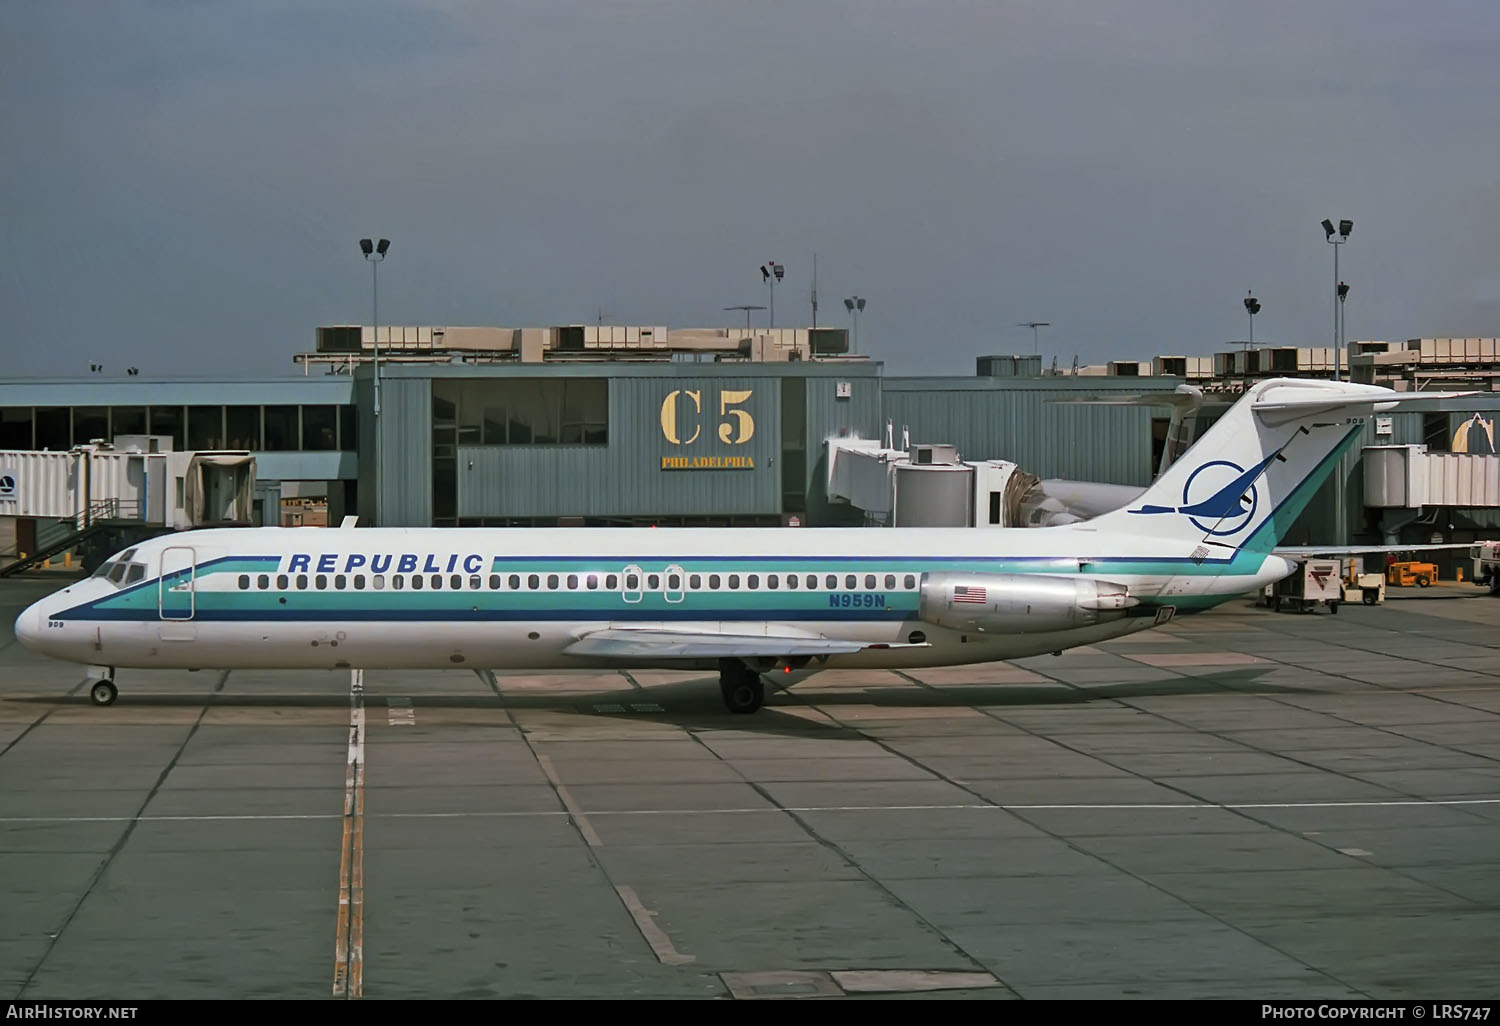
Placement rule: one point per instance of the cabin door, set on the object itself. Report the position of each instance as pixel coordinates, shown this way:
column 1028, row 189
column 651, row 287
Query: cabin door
column 175, row 589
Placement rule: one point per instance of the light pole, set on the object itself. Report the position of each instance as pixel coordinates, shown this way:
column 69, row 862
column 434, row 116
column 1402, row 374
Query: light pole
column 1343, row 290
column 747, row 310
column 1252, row 306
column 855, row 305
column 1340, row 522
column 1344, row 228
column 1033, row 325
column 374, row 253
column 771, row 272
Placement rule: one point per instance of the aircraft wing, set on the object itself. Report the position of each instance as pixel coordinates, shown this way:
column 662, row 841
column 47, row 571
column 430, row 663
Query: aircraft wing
column 1331, row 551
column 657, row 642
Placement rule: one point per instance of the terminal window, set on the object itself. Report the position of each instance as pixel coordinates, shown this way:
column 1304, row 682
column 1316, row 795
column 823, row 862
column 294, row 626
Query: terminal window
column 527, row 411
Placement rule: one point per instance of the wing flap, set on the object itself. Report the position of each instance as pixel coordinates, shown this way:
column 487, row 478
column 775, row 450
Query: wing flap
column 653, row 642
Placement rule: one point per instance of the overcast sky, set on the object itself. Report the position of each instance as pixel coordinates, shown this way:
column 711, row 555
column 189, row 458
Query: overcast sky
column 185, row 182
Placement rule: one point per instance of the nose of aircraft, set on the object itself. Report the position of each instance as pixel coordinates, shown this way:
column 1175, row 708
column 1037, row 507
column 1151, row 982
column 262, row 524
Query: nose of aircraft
column 29, row 626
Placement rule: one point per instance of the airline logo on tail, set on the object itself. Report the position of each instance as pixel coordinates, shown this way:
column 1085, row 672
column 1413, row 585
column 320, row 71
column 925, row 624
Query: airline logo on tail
column 1219, row 498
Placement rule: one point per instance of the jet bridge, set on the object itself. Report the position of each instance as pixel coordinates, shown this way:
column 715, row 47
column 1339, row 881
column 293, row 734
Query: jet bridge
column 931, row 486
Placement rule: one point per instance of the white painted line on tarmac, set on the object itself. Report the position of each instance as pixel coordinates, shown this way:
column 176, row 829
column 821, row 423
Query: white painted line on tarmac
column 572, row 811
column 400, row 713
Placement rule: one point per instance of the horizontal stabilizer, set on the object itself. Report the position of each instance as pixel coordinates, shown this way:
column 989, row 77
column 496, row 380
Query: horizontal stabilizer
column 650, row 642
column 1332, row 551
column 1288, row 398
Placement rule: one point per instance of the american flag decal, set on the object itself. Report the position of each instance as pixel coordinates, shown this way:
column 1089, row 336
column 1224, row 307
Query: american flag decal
column 965, row 594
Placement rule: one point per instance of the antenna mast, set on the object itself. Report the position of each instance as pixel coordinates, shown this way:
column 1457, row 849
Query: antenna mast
column 815, row 290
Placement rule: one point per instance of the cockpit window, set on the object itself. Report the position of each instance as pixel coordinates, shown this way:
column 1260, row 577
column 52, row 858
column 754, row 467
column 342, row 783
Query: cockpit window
column 118, row 569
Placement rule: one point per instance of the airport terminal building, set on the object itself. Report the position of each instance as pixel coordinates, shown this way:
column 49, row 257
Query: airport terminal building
column 644, row 426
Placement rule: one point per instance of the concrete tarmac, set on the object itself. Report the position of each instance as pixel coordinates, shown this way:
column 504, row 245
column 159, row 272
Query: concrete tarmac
column 1243, row 804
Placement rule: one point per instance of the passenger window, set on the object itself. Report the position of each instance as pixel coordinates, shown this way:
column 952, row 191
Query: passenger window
column 282, row 583
column 339, row 580
column 593, row 582
column 752, row 581
column 869, row 582
column 911, row 582
column 456, row 582
column 359, row 582
column 674, row 582
column 378, row 581
column 734, row 580
column 791, row 580
column 695, row 581
column 476, row 582
column 416, row 582
column 263, row 582
column 515, row 582
column 830, row 582
column 533, row 581
column 572, row 582
column 713, row 582
column 494, row 582
column 653, row 582
column 321, row 581
column 244, row 582
column 551, row 582
column 437, row 582
column 890, row 581
column 812, row 582
column 611, row 582
column 397, row 582
column 632, row 582
column 771, row 580
column 850, row 581
column 301, row 582
column 138, row 570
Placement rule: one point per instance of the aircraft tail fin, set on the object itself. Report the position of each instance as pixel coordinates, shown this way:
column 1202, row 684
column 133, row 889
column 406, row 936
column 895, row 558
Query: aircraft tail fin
column 1248, row 477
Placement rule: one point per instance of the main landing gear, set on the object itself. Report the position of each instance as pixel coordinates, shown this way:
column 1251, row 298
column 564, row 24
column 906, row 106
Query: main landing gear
column 742, row 688
column 103, row 690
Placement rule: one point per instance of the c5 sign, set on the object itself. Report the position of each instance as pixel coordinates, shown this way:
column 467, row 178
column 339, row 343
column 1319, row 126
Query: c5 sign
column 680, row 427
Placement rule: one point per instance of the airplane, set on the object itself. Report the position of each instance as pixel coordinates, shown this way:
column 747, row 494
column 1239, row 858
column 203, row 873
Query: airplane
column 783, row 602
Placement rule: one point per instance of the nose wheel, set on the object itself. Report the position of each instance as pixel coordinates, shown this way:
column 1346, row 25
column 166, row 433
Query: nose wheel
column 104, row 692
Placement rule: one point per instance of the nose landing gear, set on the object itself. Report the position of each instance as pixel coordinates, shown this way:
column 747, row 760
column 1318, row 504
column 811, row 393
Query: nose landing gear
column 104, row 692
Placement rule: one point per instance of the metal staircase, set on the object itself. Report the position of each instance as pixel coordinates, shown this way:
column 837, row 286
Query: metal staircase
column 101, row 517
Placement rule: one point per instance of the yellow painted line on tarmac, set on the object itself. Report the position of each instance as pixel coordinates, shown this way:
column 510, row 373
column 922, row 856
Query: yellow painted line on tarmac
column 645, row 921
column 584, row 826
column 348, row 951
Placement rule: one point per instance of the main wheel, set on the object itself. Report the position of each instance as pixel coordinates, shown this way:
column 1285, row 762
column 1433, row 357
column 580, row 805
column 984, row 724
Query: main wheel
column 743, row 692
column 104, row 692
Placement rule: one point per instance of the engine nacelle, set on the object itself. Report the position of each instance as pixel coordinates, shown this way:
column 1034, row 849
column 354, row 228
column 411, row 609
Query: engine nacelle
column 1020, row 603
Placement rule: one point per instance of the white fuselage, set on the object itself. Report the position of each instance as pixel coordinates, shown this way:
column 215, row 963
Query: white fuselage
column 517, row 598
